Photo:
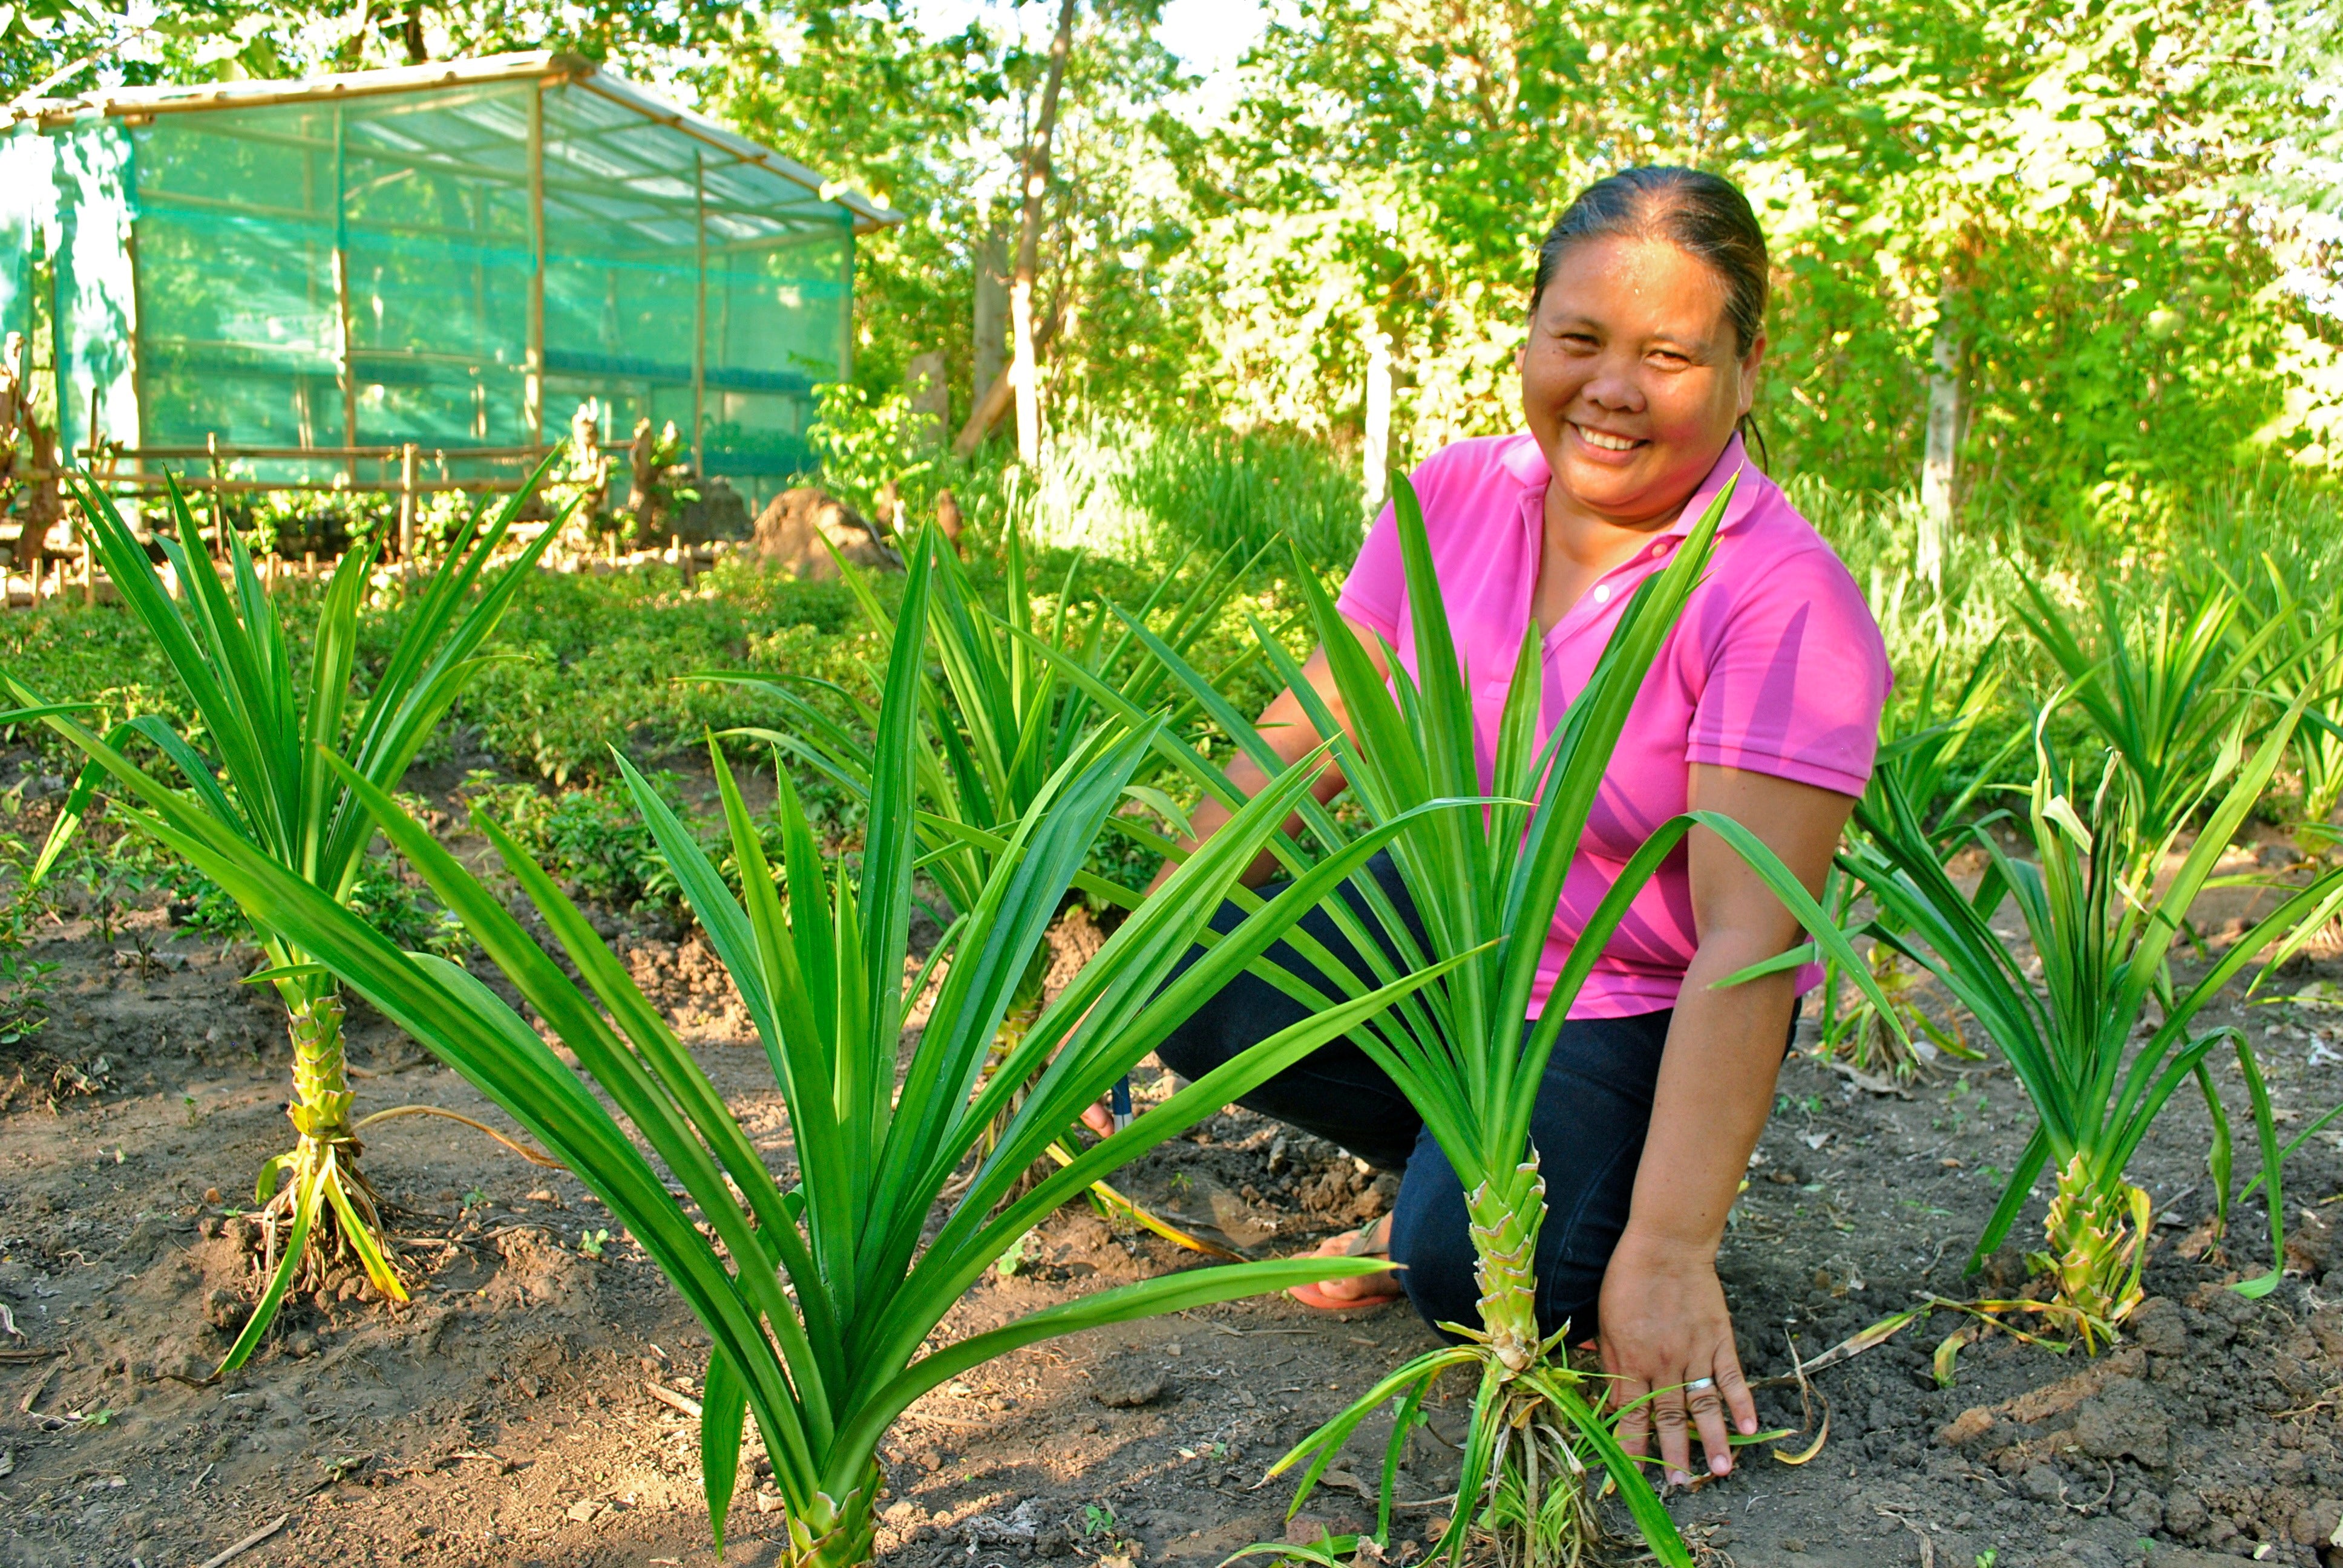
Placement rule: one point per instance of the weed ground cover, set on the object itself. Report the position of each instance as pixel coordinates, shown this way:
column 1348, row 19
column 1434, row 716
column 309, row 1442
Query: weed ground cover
column 524, row 1348
column 1856, row 1206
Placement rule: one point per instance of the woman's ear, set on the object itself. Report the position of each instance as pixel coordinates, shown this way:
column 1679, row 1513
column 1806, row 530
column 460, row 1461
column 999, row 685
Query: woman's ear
column 1751, row 363
column 1521, row 355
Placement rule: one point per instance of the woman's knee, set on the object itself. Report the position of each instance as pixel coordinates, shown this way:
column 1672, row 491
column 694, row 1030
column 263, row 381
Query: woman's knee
column 1190, row 1053
column 1432, row 1240
column 1435, row 1265
column 1586, row 1201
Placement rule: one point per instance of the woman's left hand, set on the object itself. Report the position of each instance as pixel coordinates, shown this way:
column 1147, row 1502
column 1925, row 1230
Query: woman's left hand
column 1665, row 1327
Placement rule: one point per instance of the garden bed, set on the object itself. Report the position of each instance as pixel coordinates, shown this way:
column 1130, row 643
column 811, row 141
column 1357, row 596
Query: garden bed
column 530, row 1405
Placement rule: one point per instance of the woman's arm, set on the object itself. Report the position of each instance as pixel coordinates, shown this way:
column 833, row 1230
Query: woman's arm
column 1285, row 725
column 1663, row 1318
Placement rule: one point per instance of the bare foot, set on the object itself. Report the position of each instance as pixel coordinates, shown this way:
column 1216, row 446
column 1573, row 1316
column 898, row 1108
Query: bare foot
column 1365, row 1289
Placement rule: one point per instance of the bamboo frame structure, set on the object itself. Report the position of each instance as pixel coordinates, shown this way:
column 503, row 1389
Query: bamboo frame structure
column 541, row 187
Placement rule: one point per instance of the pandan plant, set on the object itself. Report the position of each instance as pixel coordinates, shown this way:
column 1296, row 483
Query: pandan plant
column 998, row 726
column 1005, row 717
column 2167, row 686
column 823, row 1294
column 2097, row 1066
column 1921, row 743
column 263, row 767
column 1486, row 879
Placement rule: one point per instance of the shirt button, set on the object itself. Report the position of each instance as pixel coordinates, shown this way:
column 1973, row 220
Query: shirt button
column 1602, row 593
column 1659, row 549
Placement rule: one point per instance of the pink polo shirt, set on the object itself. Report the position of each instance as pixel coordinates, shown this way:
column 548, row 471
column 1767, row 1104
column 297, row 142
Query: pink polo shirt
column 1776, row 666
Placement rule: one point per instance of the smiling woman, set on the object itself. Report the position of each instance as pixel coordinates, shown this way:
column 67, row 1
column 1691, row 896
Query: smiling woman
column 1761, row 704
column 1647, row 326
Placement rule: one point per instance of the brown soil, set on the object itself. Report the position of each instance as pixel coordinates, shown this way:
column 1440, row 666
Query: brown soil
column 511, row 1413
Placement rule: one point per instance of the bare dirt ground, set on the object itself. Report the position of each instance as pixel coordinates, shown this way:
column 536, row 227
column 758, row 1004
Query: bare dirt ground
column 529, row 1406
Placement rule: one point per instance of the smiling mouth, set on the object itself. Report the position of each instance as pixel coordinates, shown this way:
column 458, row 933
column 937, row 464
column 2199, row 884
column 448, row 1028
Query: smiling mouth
column 1605, row 442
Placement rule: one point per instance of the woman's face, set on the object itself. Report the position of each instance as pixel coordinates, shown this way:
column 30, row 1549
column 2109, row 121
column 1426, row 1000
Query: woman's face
column 1633, row 379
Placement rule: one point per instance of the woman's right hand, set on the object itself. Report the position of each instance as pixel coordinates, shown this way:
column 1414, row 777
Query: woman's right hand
column 1286, row 725
column 1667, row 1345
column 1099, row 1118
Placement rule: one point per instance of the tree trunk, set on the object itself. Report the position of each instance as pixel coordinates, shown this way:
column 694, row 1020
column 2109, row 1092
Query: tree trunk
column 997, row 394
column 1505, row 1230
column 832, row 1533
column 44, row 505
column 2095, row 1244
column 322, row 1096
column 991, row 327
column 1024, row 381
column 1029, row 245
column 1936, row 468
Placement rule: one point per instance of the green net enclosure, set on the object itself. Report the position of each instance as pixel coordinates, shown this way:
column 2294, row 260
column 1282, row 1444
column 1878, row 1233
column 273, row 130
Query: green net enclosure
column 457, row 256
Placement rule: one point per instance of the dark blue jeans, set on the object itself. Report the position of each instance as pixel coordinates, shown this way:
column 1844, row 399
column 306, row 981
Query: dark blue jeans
column 1587, row 1127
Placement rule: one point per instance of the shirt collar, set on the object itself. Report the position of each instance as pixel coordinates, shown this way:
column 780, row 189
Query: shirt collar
column 1523, row 460
column 1734, row 460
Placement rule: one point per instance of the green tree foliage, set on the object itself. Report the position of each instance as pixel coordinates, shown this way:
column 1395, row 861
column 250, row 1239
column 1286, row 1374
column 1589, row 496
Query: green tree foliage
column 70, row 46
column 2066, row 185
column 2121, row 217
column 935, row 127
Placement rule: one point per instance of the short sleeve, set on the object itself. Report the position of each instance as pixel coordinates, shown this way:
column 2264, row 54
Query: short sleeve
column 1796, row 677
column 1375, row 592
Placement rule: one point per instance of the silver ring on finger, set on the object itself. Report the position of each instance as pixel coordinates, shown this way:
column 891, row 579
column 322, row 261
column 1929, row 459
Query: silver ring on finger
column 1700, row 1384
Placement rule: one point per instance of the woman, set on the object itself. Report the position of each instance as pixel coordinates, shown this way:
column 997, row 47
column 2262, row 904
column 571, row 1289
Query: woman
column 1645, row 339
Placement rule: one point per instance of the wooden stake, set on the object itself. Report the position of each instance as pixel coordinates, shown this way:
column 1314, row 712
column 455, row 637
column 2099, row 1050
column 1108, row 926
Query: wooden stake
column 219, row 525
column 407, row 502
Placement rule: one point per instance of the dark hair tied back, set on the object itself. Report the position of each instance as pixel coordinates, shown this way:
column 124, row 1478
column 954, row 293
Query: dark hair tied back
column 1701, row 213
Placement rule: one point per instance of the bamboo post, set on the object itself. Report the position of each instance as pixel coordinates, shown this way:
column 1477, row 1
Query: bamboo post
column 88, row 572
column 308, row 566
column 342, row 368
column 533, row 379
column 211, row 449
column 407, row 502
column 699, row 319
column 35, row 574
